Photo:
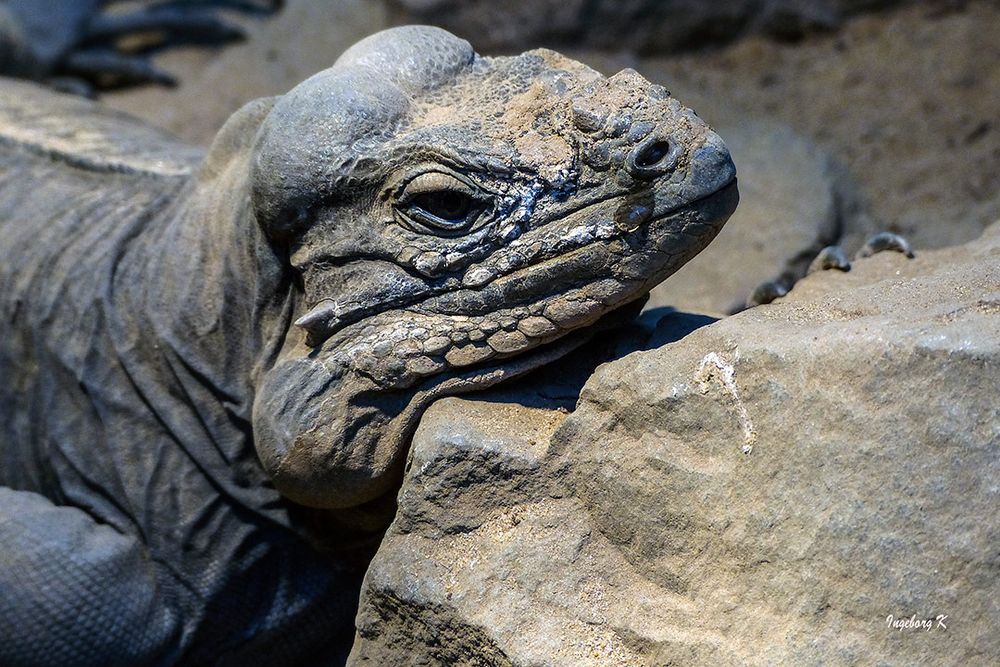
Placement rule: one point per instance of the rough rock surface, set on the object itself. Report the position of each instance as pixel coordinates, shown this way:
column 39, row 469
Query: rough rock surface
column 770, row 489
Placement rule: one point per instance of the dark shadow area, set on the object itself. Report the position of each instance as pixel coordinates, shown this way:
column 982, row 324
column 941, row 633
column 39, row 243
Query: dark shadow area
column 557, row 386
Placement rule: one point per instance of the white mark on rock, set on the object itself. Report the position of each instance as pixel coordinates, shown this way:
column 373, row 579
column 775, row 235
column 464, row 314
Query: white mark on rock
column 580, row 234
column 717, row 367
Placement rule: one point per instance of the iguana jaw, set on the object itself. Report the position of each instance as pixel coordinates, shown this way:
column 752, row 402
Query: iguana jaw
column 359, row 408
column 400, row 347
column 317, row 470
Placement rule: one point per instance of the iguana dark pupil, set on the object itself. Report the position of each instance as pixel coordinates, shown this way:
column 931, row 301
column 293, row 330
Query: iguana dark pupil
column 653, row 154
column 447, row 205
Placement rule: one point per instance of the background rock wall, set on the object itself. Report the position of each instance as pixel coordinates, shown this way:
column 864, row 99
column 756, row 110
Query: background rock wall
column 643, row 26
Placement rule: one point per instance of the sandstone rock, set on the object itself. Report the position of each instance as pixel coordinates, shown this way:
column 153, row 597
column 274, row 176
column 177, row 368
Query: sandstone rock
column 770, row 489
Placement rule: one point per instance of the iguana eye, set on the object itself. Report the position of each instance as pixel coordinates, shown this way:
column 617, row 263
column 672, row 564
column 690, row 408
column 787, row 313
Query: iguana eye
column 437, row 203
column 446, row 205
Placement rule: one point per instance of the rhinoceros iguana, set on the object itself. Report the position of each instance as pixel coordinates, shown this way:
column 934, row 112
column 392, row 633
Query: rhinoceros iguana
column 210, row 371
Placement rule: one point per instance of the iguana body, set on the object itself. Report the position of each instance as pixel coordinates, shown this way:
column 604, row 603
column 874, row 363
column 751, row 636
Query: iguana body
column 187, row 475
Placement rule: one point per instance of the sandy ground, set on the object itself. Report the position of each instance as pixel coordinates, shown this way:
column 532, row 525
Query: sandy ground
column 909, row 99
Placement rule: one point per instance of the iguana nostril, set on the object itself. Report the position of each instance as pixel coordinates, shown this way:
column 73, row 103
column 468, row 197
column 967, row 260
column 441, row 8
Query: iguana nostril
column 652, row 154
column 653, row 157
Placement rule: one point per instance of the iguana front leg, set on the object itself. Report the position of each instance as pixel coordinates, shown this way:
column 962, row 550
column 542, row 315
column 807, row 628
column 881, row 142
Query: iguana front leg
column 77, row 592
column 79, row 45
column 830, row 257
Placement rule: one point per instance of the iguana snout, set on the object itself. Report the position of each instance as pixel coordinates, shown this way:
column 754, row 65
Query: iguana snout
column 451, row 220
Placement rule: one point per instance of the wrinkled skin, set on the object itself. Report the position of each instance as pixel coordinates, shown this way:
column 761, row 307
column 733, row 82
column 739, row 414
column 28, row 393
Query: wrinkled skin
column 194, row 361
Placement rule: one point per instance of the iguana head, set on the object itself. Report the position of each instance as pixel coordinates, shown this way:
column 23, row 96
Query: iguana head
column 449, row 219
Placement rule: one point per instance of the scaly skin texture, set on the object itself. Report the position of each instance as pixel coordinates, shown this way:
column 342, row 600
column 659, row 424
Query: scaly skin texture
column 212, row 373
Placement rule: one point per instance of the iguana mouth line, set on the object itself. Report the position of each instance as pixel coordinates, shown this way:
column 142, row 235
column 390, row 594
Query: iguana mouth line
column 518, row 363
column 564, row 255
column 401, row 348
column 346, row 321
column 562, row 252
column 482, row 376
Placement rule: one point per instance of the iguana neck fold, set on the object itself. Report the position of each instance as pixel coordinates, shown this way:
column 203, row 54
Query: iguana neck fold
column 217, row 291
